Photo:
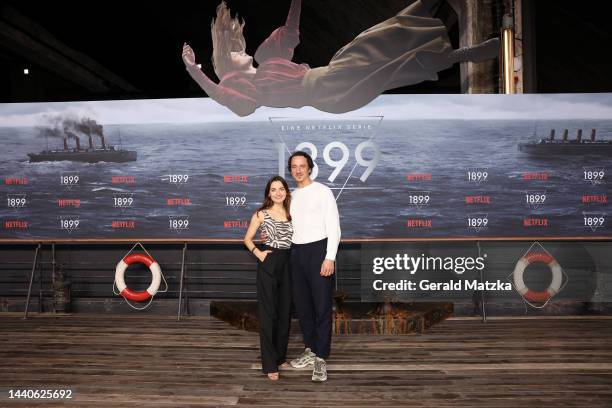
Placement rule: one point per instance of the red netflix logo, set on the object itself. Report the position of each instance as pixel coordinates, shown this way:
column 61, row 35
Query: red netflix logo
column 413, row 177
column 123, row 179
column 419, row 223
column 236, row 179
column 535, row 222
column 15, row 224
column 65, row 202
column 541, row 176
column 178, row 201
column 235, row 224
column 12, row 181
column 598, row 199
column 478, row 199
column 123, row 224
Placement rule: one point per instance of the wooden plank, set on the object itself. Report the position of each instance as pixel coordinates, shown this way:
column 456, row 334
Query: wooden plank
column 151, row 359
column 460, row 367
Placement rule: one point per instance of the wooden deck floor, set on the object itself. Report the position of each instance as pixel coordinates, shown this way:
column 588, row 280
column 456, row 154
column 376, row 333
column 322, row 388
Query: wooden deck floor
column 123, row 361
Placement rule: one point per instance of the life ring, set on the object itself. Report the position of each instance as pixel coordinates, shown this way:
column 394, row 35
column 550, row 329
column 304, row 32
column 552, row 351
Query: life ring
column 120, row 281
column 555, row 284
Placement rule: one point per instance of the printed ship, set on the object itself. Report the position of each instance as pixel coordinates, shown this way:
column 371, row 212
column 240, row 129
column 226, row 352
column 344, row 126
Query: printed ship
column 92, row 154
column 552, row 146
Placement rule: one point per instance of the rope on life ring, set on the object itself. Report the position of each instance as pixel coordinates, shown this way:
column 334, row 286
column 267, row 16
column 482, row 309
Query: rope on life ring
column 126, row 292
column 555, row 284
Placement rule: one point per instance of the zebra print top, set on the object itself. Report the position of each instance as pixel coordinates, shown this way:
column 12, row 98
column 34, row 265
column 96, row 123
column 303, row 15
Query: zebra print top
column 279, row 232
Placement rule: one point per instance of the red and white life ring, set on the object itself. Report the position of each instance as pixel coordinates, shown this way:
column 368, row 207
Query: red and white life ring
column 555, row 284
column 120, row 281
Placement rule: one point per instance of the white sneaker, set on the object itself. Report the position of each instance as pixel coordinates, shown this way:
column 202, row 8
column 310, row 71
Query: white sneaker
column 303, row 360
column 319, row 373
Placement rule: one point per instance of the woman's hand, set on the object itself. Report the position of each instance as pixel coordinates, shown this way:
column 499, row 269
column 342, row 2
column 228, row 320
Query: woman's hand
column 261, row 255
column 188, row 56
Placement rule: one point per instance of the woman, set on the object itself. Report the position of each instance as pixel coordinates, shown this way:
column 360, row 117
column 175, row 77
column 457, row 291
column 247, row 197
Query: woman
column 273, row 274
column 406, row 49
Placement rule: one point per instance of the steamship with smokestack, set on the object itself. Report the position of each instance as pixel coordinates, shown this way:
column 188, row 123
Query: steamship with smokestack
column 70, row 130
column 552, row 146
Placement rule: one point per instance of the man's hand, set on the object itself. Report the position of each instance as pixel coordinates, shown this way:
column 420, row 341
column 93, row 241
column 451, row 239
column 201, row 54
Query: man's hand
column 327, row 268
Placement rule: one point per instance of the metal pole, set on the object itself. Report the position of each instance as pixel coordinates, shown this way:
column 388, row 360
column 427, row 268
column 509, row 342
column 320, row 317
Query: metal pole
column 508, row 54
column 40, row 286
column 482, row 301
column 178, row 318
column 186, row 285
column 482, row 292
column 53, row 264
column 25, row 314
column 53, row 286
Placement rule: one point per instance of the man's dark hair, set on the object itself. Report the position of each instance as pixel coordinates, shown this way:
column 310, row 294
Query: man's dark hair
column 303, row 154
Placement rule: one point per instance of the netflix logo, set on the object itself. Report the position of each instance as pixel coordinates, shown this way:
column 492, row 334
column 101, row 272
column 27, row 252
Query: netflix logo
column 16, row 181
column 419, row 223
column 414, row 177
column 535, row 222
column 15, row 224
column 123, row 179
column 478, row 199
column 123, row 224
column 235, row 224
column 236, row 179
column 597, row 199
column 178, row 201
column 64, row 202
column 539, row 176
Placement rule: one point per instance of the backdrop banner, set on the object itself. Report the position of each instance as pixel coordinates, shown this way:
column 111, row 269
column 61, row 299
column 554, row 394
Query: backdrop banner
column 403, row 167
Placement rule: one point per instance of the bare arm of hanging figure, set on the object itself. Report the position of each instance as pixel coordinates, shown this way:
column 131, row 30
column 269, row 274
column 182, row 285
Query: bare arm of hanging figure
column 196, row 73
column 283, row 40
column 293, row 18
column 240, row 104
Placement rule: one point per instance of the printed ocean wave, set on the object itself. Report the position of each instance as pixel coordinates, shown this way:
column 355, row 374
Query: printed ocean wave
column 119, row 190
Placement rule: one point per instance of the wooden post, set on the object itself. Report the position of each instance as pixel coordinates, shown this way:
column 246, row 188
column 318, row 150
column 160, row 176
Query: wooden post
column 476, row 24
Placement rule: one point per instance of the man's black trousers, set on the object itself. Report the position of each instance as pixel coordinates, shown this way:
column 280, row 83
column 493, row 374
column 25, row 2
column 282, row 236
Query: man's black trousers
column 312, row 295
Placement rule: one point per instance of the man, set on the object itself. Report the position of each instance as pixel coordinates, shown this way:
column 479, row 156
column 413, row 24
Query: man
column 316, row 235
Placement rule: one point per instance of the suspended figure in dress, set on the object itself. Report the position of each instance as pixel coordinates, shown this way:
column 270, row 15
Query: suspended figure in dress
column 406, row 49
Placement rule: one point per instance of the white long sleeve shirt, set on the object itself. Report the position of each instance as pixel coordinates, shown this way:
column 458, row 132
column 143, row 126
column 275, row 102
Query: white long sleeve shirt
column 315, row 216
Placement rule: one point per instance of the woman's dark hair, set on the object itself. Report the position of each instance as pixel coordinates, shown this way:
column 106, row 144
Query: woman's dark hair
column 267, row 203
column 303, row 154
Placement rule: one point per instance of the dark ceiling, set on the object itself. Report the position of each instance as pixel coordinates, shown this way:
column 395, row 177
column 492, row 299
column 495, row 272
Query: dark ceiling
column 132, row 49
